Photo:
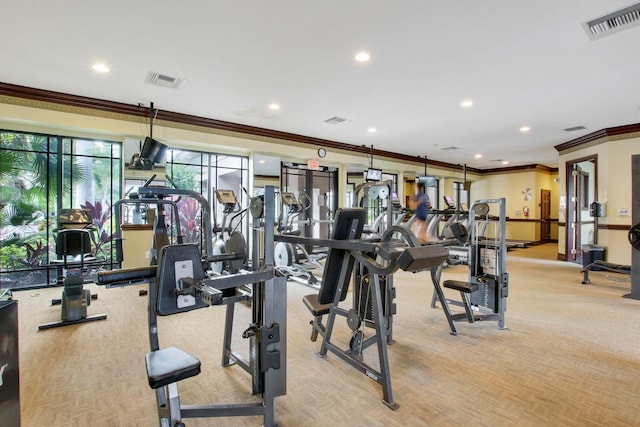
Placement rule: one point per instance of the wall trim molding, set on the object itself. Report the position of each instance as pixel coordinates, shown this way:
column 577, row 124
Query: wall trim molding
column 620, row 227
column 600, row 134
column 58, row 101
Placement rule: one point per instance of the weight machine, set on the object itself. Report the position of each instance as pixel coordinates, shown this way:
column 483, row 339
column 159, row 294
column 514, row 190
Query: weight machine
column 381, row 259
column 181, row 284
column 484, row 294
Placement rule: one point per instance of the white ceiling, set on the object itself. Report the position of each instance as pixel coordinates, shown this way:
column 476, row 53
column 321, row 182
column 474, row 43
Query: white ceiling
column 522, row 62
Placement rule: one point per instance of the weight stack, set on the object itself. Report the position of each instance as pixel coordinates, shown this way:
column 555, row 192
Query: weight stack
column 363, row 296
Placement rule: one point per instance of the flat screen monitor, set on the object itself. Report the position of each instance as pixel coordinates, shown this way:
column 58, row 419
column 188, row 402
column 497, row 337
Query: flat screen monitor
column 153, row 150
column 373, row 175
column 448, row 200
column 226, row 197
column 427, row 181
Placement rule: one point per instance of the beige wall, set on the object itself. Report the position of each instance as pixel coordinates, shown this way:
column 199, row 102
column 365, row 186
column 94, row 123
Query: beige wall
column 512, row 186
column 614, row 188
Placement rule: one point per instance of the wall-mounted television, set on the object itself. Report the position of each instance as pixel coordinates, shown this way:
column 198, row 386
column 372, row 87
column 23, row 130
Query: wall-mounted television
column 373, row 175
column 153, row 150
column 427, row 181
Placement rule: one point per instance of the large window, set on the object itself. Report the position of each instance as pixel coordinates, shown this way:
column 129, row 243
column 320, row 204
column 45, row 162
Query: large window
column 39, row 175
column 205, row 173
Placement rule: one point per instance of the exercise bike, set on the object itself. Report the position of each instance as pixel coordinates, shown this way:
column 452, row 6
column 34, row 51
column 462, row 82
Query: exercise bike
column 73, row 239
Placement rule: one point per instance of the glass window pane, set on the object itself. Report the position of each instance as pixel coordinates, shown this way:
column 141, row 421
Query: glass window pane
column 185, row 157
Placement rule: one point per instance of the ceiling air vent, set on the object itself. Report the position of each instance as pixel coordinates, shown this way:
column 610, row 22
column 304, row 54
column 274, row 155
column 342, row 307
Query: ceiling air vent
column 450, row 148
column 575, row 128
column 163, row 80
column 613, row 22
column 335, row 120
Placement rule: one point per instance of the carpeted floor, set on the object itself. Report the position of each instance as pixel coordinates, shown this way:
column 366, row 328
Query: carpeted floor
column 570, row 356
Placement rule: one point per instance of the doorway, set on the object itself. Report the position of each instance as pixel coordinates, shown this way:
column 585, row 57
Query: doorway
column 321, row 186
column 545, row 215
column 582, row 185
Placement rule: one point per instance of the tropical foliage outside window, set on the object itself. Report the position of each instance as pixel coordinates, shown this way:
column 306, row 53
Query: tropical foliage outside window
column 39, row 175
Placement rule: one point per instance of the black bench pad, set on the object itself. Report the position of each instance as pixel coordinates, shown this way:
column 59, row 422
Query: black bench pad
column 127, row 275
column 170, row 365
column 624, row 269
column 460, row 286
column 314, row 306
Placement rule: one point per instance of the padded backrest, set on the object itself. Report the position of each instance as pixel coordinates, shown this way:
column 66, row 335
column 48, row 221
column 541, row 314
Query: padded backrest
column 176, row 262
column 338, row 266
column 73, row 242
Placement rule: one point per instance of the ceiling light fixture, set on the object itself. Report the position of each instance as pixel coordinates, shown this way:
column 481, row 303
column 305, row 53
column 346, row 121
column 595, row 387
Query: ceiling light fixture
column 525, row 129
column 505, row 162
column 467, row 103
column 274, row 107
column 100, row 67
column 478, row 156
column 362, row 56
column 372, row 130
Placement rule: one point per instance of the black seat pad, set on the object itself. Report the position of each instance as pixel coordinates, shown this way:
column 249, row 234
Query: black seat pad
column 170, row 365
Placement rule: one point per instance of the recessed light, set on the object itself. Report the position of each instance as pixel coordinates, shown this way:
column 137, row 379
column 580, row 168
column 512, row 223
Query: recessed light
column 362, row 57
column 505, row 162
column 467, row 103
column 274, row 107
column 478, row 156
column 525, row 129
column 100, row 67
column 372, row 130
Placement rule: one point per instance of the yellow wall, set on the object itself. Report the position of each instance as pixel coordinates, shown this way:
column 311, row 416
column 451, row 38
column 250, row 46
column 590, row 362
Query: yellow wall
column 614, row 188
column 511, row 186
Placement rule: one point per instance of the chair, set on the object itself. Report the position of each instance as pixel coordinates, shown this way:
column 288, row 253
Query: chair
column 73, row 239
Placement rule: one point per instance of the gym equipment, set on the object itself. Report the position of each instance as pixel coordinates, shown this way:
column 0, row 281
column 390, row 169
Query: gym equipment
column 73, row 239
column 9, row 362
column 599, row 265
column 381, row 259
column 161, row 197
column 228, row 240
column 634, row 232
column 484, row 294
column 181, row 285
column 293, row 261
column 633, row 236
column 374, row 198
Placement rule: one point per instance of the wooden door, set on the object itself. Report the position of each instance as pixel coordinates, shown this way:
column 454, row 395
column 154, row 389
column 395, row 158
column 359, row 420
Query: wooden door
column 545, row 215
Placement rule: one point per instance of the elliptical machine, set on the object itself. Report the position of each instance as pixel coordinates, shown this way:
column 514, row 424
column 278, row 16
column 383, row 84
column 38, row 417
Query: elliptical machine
column 293, row 261
column 228, row 239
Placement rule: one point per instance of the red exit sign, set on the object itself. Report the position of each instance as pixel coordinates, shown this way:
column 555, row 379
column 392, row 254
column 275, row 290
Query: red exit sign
column 313, row 164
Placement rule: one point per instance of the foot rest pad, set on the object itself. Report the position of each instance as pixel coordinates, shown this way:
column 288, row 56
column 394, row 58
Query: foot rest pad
column 461, row 286
column 317, row 309
column 170, row 365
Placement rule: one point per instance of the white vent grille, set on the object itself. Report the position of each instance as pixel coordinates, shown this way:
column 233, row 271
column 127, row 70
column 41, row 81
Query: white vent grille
column 335, row 120
column 163, row 80
column 575, row 128
column 613, row 22
column 450, row 148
